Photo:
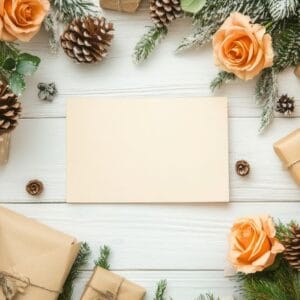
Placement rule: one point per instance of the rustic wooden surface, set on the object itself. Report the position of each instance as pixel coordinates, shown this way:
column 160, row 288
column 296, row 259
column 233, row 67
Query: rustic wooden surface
column 185, row 244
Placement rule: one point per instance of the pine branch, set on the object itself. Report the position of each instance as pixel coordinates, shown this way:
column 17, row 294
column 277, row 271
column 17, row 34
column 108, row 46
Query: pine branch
column 266, row 95
column 283, row 283
column 222, row 78
column 207, row 297
column 51, row 26
column 200, row 37
column 161, row 290
column 80, row 261
column 281, row 9
column 67, row 10
column 286, row 42
column 102, row 261
column 148, row 42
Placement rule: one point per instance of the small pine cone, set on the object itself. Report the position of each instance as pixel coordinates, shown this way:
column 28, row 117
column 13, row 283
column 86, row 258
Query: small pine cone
column 242, row 167
column 162, row 12
column 34, row 187
column 87, row 39
column 292, row 247
column 10, row 108
column 285, row 105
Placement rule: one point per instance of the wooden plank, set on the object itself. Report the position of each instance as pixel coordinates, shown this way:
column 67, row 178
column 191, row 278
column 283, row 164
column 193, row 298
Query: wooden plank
column 185, row 285
column 155, row 237
column 38, row 151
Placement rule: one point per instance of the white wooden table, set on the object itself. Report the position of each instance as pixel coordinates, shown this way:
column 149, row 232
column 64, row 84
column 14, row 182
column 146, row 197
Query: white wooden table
column 185, row 244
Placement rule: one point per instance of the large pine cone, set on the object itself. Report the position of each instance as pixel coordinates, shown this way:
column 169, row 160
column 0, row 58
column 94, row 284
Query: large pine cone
column 292, row 247
column 10, row 109
column 87, row 39
column 162, row 12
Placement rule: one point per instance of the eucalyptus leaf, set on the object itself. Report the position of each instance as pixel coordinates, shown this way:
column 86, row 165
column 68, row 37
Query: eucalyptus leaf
column 9, row 64
column 192, row 6
column 17, row 83
column 27, row 64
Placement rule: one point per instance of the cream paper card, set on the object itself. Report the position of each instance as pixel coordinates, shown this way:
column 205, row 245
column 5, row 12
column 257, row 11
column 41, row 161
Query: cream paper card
column 147, row 150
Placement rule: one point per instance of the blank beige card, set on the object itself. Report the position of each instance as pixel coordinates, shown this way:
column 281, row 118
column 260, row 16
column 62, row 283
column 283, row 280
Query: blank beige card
column 147, row 150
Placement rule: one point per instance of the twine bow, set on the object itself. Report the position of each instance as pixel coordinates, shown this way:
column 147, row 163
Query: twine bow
column 294, row 163
column 12, row 284
column 108, row 295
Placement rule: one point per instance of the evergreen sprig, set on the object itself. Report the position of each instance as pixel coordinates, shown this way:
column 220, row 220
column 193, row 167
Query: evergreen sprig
column 222, row 78
column 102, row 260
column 207, row 297
column 147, row 43
column 79, row 263
column 281, row 9
column 67, row 10
column 283, row 283
column 266, row 96
column 161, row 290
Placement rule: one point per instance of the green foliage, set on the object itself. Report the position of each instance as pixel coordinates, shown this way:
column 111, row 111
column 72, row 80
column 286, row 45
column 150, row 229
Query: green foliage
column 147, row 43
column 281, row 9
column 192, row 6
column 222, row 78
column 207, row 297
column 14, row 65
column 79, row 263
column 266, row 96
column 214, row 13
column 286, row 43
column 67, row 10
column 284, row 230
column 283, row 283
column 102, row 261
column 161, row 290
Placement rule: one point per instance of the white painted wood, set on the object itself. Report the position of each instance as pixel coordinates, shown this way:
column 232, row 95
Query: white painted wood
column 38, row 151
column 155, row 237
column 185, row 244
column 182, row 285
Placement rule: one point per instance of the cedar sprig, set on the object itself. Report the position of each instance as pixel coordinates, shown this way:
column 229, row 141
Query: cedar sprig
column 161, row 290
column 102, row 260
column 76, row 269
column 148, row 42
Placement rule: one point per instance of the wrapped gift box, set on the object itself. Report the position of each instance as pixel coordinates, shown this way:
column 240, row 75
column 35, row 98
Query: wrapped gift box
column 35, row 260
column 107, row 285
column 288, row 150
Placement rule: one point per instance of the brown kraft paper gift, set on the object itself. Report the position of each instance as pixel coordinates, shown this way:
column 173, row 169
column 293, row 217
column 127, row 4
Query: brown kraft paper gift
column 288, row 149
column 106, row 285
column 35, row 260
column 129, row 6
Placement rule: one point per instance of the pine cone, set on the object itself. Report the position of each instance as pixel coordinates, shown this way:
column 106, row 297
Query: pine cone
column 10, row 109
column 292, row 247
column 162, row 12
column 87, row 39
column 285, row 105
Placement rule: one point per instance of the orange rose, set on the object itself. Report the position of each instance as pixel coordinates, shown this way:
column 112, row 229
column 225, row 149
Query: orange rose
column 241, row 47
column 253, row 245
column 21, row 19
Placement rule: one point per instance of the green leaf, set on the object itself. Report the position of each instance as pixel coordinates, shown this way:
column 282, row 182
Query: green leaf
column 17, row 83
column 9, row 64
column 27, row 64
column 192, row 6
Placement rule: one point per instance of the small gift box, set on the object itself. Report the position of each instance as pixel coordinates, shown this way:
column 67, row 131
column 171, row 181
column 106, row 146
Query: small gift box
column 288, row 149
column 129, row 6
column 35, row 260
column 106, row 285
